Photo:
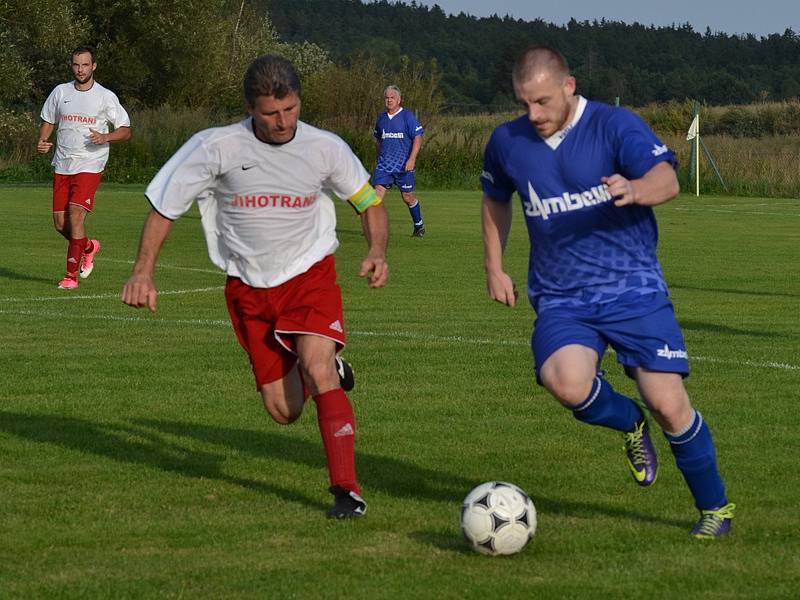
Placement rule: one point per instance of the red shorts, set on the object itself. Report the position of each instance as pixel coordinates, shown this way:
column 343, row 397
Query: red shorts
column 75, row 189
column 266, row 319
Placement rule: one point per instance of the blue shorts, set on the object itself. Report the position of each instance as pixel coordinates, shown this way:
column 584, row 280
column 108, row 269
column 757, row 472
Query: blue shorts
column 404, row 180
column 652, row 340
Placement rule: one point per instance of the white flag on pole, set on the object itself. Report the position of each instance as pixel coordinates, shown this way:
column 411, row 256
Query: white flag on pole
column 693, row 129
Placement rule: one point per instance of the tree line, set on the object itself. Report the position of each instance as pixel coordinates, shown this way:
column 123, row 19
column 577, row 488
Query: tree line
column 638, row 64
column 186, row 54
column 193, row 52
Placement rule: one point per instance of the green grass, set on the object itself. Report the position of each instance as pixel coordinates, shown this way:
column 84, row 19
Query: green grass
column 137, row 461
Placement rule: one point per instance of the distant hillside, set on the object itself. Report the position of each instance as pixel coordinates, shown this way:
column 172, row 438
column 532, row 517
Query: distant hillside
column 637, row 63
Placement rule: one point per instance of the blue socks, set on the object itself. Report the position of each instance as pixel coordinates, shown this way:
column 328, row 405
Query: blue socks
column 606, row 407
column 416, row 213
column 697, row 460
column 693, row 447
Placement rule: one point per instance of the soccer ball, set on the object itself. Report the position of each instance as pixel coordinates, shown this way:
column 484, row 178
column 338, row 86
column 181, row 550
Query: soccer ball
column 498, row 518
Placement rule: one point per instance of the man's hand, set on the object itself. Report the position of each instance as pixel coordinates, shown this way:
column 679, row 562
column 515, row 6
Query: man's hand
column 658, row 185
column 376, row 270
column 621, row 189
column 501, row 288
column 410, row 164
column 97, row 138
column 140, row 291
column 43, row 146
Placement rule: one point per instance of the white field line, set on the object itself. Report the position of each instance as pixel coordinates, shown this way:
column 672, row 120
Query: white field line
column 412, row 336
column 737, row 212
column 66, row 295
column 168, row 266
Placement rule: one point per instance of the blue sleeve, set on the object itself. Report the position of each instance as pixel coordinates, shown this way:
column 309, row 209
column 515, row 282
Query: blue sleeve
column 638, row 147
column 414, row 127
column 495, row 182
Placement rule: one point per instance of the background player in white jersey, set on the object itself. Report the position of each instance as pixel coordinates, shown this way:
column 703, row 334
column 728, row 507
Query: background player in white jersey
column 588, row 175
column 399, row 138
column 82, row 109
column 262, row 189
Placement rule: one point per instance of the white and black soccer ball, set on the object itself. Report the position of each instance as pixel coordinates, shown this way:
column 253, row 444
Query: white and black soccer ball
column 498, row 518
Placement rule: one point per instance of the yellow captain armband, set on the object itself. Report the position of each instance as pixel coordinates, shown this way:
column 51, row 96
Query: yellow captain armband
column 364, row 198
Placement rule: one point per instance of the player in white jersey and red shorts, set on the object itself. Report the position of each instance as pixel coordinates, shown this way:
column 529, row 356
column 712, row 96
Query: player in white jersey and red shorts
column 263, row 188
column 82, row 110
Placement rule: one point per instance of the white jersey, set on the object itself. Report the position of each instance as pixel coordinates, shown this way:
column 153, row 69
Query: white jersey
column 266, row 210
column 75, row 112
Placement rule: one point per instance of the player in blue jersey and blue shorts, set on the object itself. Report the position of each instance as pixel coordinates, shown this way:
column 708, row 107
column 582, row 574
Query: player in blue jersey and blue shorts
column 588, row 175
column 399, row 137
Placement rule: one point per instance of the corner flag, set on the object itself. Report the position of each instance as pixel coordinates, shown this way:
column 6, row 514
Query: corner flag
column 693, row 128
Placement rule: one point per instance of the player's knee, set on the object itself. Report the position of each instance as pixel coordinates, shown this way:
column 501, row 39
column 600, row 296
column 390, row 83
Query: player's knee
column 569, row 389
column 320, row 376
column 669, row 404
column 282, row 408
column 570, row 382
column 672, row 415
column 281, row 413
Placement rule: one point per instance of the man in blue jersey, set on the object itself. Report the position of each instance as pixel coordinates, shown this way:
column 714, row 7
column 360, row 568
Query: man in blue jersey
column 399, row 136
column 588, row 174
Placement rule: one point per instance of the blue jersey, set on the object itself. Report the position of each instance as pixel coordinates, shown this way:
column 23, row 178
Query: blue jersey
column 396, row 133
column 584, row 250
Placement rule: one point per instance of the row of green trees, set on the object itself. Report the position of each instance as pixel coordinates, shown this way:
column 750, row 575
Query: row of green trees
column 638, row 63
column 150, row 52
column 170, row 57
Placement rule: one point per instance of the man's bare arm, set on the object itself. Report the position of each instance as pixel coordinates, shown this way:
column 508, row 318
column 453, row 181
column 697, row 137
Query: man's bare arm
column 140, row 290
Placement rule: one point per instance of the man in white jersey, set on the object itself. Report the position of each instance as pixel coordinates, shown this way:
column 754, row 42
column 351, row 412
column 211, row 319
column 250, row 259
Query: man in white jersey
column 83, row 110
column 262, row 186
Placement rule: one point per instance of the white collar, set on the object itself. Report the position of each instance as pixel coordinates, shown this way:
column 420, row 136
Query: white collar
column 559, row 136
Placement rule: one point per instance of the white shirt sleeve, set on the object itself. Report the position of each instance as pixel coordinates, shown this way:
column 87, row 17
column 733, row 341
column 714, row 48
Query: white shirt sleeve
column 50, row 109
column 347, row 174
column 115, row 113
column 190, row 173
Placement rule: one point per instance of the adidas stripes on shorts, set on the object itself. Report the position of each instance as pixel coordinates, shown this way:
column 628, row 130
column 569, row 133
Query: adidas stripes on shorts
column 79, row 189
column 266, row 319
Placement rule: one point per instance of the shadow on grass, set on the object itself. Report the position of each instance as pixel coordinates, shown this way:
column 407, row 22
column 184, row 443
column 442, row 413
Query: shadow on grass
column 724, row 330
column 7, row 274
column 443, row 539
column 678, row 286
column 149, row 449
column 452, row 541
column 397, row 477
column 145, row 442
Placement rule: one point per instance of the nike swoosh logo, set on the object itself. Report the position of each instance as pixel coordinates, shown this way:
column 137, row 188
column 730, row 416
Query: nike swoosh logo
column 639, row 475
column 246, row 167
column 65, row 101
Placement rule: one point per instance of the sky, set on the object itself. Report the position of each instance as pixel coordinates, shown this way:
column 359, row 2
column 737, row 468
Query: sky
column 759, row 17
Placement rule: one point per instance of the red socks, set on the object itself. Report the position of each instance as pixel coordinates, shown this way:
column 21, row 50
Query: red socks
column 74, row 252
column 337, row 424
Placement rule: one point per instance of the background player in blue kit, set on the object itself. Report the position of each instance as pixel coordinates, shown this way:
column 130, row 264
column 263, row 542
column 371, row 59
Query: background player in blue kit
column 399, row 136
column 588, row 175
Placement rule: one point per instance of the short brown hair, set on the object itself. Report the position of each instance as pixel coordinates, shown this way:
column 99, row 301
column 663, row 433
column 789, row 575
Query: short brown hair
column 270, row 75
column 537, row 58
column 84, row 50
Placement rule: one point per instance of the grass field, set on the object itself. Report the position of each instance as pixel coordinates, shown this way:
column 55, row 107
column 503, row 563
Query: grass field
column 137, row 462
